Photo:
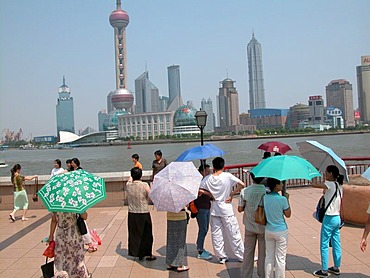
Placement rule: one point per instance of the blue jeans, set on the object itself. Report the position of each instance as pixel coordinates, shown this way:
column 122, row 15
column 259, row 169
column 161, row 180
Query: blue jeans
column 203, row 224
column 330, row 231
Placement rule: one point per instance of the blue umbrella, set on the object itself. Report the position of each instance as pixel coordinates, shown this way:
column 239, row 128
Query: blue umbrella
column 285, row 167
column 321, row 156
column 200, row 152
column 366, row 174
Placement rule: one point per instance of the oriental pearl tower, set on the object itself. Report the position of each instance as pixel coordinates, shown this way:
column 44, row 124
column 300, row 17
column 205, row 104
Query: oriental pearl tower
column 121, row 98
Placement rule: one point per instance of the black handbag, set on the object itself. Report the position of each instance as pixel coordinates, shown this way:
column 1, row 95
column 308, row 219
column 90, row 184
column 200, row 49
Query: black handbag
column 321, row 208
column 48, row 269
column 81, row 225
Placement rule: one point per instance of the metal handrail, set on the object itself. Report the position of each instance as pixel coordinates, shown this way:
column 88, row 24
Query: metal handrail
column 242, row 171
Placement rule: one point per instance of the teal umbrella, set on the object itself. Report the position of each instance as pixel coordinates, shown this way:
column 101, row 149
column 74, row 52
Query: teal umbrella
column 75, row 191
column 285, row 167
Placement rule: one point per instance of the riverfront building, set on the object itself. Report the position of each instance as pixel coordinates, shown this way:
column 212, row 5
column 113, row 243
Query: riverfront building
column 163, row 103
column 146, row 95
column 64, row 109
column 339, row 96
column 268, row 118
column 298, row 115
column 207, row 106
column 174, row 89
column 228, row 104
column 363, row 86
column 145, row 126
column 184, row 121
column 255, row 73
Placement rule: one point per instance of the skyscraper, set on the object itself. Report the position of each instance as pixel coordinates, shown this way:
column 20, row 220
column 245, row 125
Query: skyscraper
column 228, row 104
column 146, row 95
column 163, row 103
column 64, row 109
column 207, row 106
column 339, row 95
column 174, row 89
column 255, row 73
column 363, row 86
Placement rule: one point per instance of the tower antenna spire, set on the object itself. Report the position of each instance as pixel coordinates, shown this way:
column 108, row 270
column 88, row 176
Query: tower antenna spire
column 64, row 80
column 227, row 73
column 146, row 66
column 118, row 4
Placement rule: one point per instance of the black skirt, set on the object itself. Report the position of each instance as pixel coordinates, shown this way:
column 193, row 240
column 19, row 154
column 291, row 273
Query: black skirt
column 140, row 236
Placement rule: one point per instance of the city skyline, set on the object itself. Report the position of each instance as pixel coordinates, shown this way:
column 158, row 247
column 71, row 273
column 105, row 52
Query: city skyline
column 298, row 39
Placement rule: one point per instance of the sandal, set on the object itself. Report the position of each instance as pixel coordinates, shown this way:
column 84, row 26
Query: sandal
column 170, row 267
column 12, row 218
column 151, row 258
column 92, row 249
column 183, row 268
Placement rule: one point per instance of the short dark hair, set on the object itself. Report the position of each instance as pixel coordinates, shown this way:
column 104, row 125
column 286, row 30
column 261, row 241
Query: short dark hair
column 158, row 152
column 272, row 183
column 76, row 161
column 266, row 155
column 256, row 180
column 218, row 163
column 136, row 173
column 202, row 167
column 68, row 161
column 136, row 156
column 57, row 161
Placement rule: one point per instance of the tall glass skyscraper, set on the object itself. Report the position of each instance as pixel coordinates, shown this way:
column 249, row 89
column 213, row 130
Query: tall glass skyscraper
column 255, row 72
column 64, row 109
column 228, row 104
column 174, row 89
column 339, row 95
column 207, row 106
column 363, row 87
column 146, row 95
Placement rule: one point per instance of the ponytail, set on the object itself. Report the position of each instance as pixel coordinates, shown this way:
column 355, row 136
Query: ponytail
column 340, row 179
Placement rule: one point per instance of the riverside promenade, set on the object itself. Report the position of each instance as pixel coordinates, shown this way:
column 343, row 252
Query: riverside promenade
column 21, row 248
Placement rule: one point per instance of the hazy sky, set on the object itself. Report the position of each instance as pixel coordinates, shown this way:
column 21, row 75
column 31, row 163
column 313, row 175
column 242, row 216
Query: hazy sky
column 305, row 45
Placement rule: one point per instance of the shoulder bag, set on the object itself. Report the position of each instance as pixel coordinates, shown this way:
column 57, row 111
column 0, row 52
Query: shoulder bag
column 259, row 215
column 321, row 208
column 81, row 225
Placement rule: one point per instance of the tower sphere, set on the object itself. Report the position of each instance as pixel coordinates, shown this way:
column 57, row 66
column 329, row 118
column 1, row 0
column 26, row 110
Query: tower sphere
column 119, row 19
column 122, row 99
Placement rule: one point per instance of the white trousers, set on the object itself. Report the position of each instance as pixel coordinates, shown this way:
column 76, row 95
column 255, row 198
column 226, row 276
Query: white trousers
column 276, row 248
column 226, row 228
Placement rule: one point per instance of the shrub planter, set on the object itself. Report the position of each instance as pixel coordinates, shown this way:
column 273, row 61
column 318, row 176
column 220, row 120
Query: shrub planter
column 356, row 198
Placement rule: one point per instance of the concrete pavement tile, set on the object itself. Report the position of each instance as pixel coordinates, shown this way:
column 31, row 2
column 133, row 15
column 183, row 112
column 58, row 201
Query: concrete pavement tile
column 124, row 262
column 6, row 263
column 102, row 272
column 108, row 261
column 120, row 272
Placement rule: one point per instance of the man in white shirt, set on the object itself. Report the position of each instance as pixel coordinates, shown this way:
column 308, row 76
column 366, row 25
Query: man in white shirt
column 57, row 168
column 224, row 225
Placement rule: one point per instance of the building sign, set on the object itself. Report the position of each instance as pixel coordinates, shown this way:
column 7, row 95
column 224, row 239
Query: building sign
column 357, row 115
column 333, row 111
column 315, row 98
column 41, row 139
column 365, row 60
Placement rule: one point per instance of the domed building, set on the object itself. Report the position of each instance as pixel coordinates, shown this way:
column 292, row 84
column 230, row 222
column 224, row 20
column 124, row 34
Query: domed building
column 184, row 121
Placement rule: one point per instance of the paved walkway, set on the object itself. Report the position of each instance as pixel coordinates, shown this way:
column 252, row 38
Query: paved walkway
column 21, row 248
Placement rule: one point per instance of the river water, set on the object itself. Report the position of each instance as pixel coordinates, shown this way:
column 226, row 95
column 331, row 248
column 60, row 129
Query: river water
column 118, row 158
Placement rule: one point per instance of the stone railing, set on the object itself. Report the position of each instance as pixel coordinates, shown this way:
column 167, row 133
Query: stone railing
column 115, row 183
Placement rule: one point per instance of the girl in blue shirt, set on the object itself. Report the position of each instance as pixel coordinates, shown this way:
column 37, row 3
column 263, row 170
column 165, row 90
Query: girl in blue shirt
column 276, row 233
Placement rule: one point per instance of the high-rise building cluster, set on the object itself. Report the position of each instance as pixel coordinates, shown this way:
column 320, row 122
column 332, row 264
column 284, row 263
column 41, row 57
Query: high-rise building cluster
column 155, row 115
